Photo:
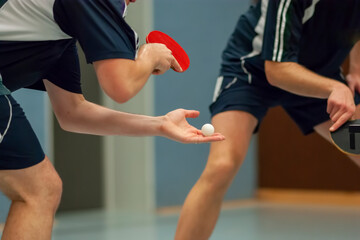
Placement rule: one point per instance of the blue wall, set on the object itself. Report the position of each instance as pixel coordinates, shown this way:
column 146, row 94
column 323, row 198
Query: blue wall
column 34, row 104
column 35, row 107
column 202, row 27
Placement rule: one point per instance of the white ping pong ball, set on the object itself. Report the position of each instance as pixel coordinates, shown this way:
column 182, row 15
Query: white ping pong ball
column 207, row 129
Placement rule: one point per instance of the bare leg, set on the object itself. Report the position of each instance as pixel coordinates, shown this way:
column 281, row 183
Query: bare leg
column 35, row 193
column 202, row 206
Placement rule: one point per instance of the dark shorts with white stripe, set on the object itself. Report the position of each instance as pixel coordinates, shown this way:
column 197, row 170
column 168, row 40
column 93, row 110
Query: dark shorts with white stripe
column 237, row 93
column 19, row 146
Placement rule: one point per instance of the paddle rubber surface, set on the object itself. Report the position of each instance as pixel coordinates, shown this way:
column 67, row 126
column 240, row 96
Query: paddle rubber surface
column 347, row 137
column 178, row 52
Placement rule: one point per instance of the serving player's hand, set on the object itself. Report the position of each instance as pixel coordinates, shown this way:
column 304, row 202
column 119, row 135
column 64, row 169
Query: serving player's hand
column 176, row 127
column 160, row 56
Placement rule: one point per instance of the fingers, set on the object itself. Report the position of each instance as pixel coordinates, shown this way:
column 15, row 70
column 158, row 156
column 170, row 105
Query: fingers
column 341, row 106
column 173, row 63
column 176, row 66
column 170, row 61
column 336, row 113
column 191, row 113
column 339, row 118
column 202, row 139
column 343, row 119
column 161, row 69
column 160, row 55
column 330, row 108
column 214, row 138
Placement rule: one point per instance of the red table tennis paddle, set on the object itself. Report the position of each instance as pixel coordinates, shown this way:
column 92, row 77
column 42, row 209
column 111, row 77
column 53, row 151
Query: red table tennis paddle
column 347, row 137
column 178, row 52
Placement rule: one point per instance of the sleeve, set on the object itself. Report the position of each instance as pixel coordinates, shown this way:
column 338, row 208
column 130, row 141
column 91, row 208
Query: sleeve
column 65, row 73
column 283, row 29
column 99, row 27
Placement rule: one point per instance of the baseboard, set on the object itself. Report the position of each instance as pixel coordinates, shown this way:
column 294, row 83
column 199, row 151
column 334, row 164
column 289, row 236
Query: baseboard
column 314, row 197
column 285, row 196
column 171, row 210
column 226, row 205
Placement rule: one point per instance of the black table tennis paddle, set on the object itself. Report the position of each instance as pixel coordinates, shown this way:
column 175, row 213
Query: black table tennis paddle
column 347, row 137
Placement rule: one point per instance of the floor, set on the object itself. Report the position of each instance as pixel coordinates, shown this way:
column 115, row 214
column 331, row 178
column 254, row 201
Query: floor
column 254, row 222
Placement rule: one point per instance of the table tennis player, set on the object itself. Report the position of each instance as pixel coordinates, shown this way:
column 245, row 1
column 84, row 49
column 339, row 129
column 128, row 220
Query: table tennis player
column 38, row 51
column 282, row 52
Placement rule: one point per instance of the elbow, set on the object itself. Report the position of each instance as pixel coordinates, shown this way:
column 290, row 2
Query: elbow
column 64, row 124
column 120, row 91
column 120, row 96
column 66, row 121
column 119, row 78
column 121, row 100
column 271, row 72
column 274, row 71
column 123, row 96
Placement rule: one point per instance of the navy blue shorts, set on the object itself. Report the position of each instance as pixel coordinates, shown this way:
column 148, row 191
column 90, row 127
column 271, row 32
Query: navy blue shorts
column 257, row 96
column 19, row 146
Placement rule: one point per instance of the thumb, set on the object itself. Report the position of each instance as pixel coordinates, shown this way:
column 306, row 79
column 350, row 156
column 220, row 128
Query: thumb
column 176, row 66
column 191, row 113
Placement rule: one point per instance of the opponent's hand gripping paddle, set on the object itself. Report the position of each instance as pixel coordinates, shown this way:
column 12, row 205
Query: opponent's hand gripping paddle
column 347, row 137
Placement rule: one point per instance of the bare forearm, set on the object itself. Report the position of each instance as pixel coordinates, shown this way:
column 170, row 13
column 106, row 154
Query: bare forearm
column 75, row 114
column 93, row 119
column 297, row 79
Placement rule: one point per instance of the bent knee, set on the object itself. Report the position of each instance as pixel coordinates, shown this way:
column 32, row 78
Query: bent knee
column 53, row 189
column 223, row 168
column 49, row 191
column 39, row 185
column 45, row 190
column 225, row 162
column 220, row 172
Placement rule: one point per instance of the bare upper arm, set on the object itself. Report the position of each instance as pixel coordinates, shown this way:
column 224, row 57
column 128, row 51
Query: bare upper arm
column 114, row 75
column 275, row 71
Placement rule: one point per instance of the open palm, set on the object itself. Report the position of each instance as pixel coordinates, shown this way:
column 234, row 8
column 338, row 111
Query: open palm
column 177, row 128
